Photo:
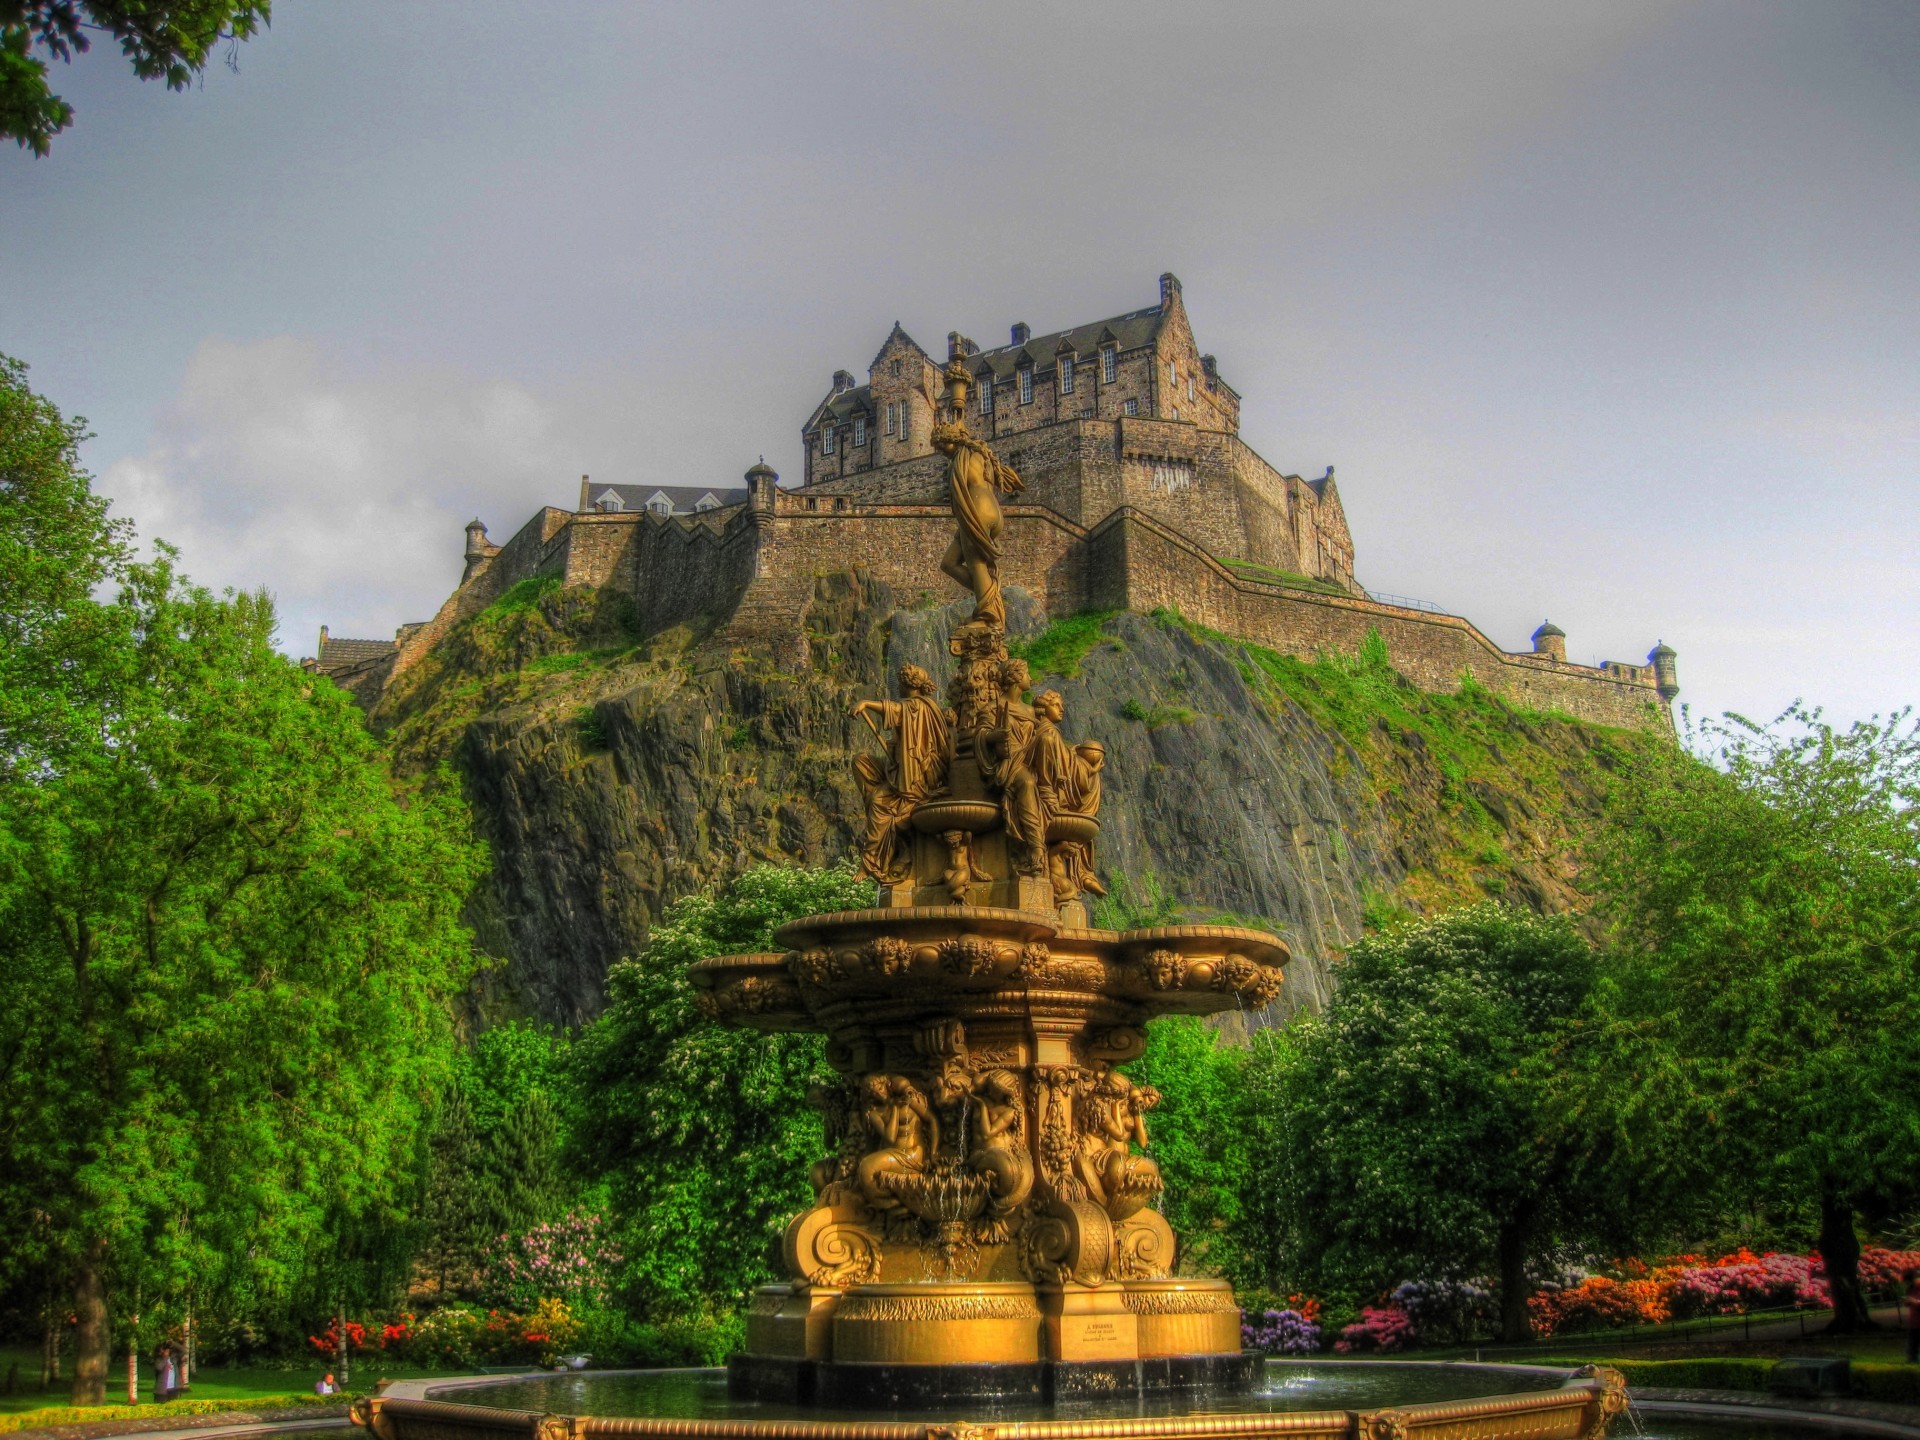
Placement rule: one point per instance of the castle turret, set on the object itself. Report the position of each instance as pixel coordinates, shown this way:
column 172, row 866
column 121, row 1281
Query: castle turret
column 1666, row 675
column 479, row 548
column 1549, row 640
column 762, row 485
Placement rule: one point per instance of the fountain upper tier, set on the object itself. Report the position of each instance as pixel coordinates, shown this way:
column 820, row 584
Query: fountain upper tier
column 848, row 972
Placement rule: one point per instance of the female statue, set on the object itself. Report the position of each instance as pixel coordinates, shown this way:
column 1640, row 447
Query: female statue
column 913, row 769
column 977, row 479
column 1118, row 1179
column 902, row 1132
column 999, row 1146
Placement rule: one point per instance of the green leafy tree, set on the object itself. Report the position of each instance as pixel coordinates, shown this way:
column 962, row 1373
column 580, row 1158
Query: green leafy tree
column 454, row 1219
column 226, row 946
column 702, row 1131
column 1767, row 915
column 1407, row 1130
column 1198, row 1138
column 529, row 1185
column 170, row 40
column 57, row 543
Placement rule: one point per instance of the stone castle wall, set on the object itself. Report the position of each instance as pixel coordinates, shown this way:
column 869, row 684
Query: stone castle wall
column 747, row 573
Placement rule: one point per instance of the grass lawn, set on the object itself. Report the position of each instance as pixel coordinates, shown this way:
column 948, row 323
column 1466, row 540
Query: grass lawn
column 238, row 1387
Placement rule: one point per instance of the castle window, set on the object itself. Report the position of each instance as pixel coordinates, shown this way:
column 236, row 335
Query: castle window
column 1066, row 374
column 859, row 430
column 892, row 408
column 1130, row 407
column 1189, row 389
column 986, row 394
column 1173, row 376
column 1109, row 363
column 826, row 441
column 893, row 367
column 1026, row 384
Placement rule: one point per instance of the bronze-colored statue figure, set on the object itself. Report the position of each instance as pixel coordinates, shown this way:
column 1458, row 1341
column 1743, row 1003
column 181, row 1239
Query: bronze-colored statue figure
column 1115, row 1121
column 976, row 478
column 913, row 769
column 1067, row 779
column 903, row 1132
column 1005, row 761
column 999, row 1146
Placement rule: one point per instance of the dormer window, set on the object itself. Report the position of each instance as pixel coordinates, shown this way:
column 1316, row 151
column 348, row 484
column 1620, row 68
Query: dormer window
column 826, row 441
column 705, row 503
column 986, row 393
column 1026, row 384
column 1066, row 374
column 660, row 504
column 609, row 502
column 859, row 430
column 1109, row 364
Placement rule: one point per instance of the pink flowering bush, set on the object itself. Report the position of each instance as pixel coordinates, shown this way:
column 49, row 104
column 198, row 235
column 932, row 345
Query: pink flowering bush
column 1378, row 1329
column 1743, row 1281
column 571, row 1259
column 1881, row 1269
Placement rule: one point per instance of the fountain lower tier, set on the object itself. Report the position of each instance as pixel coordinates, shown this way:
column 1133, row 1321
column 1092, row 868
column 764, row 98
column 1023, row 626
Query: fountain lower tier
column 985, row 1205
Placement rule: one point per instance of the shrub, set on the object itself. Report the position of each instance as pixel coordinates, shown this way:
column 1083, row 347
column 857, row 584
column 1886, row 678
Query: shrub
column 1599, row 1302
column 1379, row 1329
column 1280, row 1332
column 1744, row 1281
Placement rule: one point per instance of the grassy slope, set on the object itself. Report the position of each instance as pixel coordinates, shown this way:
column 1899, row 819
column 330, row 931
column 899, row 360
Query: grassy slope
column 1490, row 798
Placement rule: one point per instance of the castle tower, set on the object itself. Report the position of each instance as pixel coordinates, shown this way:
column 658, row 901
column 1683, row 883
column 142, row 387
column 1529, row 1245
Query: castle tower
column 1549, row 640
column 1666, row 674
column 762, row 485
column 479, row 548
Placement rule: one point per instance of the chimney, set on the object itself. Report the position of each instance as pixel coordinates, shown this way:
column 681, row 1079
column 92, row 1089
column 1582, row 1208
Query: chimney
column 842, row 380
column 321, row 653
column 1210, row 367
column 585, row 503
column 1022, row 332
column 959, row 346
column 1169, row 290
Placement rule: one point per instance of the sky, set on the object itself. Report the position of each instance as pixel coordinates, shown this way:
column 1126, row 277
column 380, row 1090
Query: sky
column 1605, row 313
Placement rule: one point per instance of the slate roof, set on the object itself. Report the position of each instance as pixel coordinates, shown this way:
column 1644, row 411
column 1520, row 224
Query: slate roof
column 685, row 499
column 339, row 654
column 1125, row 332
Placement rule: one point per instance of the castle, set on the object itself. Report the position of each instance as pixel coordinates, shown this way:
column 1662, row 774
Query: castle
column 1139, row 494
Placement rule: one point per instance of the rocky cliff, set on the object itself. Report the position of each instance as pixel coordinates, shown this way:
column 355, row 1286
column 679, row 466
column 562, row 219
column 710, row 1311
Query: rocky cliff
column 612, row 772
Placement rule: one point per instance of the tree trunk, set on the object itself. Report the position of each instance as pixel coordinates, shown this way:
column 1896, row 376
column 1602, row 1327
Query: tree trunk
column 186, row 1349
column 90, row 1335
column 1840, row 1253
column 133, row 1361
column 1514, row 1329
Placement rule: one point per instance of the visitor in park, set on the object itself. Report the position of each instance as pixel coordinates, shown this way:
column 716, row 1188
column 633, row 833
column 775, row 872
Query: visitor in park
column 1912, row 1278
column 164, row 1375
column 324, row 1385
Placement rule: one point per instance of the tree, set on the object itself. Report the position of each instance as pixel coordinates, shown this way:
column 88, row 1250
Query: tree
column 170, row 40
column 1199, row 1138
column 1407, row 1129
column 453, row 1217
column 701, row 1131
column 57, row 544
column 227, row 947
column 1766, row 910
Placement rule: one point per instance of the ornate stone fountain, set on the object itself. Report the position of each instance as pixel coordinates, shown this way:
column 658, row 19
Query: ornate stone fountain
column 984, row 1225
column 986, row 1219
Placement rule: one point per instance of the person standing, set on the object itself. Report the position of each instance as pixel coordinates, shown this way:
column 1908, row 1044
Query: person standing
column 164, row 1375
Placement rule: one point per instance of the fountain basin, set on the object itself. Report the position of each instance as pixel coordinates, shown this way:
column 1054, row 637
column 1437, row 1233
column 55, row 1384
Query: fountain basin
column 1339, row 1401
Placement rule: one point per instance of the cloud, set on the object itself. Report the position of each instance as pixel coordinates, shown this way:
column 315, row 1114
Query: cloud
column 343, row 494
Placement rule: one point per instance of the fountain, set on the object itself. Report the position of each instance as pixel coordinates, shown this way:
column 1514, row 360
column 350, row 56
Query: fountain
column 985, row 1231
